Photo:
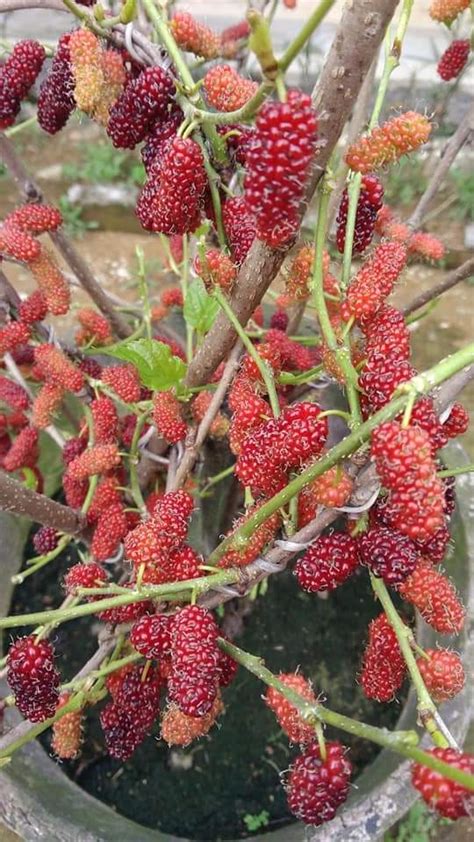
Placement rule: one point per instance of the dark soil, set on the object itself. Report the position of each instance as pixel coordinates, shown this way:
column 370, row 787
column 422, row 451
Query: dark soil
column 205, row 791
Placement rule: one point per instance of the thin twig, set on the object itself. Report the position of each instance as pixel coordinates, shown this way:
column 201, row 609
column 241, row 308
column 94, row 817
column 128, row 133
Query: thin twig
column 192, row 451
column 295, row 318
column 172, row 468
column 462, row 273
column 454, row 144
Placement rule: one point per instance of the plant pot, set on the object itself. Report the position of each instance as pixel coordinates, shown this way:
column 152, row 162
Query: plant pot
column 40, row 802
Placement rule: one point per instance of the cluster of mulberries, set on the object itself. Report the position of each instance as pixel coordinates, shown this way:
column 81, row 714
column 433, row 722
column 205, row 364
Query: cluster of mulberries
column 280, row 445
column 157, row 546
column 188, row 661
column 18, row 240
column 407, row 469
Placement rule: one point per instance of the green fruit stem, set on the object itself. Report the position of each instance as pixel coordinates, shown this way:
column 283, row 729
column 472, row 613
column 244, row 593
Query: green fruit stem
column 400, row 742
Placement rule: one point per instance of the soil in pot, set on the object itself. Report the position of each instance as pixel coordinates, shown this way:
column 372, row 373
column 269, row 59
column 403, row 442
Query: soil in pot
column 221, row 785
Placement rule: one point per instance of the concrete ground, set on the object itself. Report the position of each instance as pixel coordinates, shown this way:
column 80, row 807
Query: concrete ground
column 424, row 43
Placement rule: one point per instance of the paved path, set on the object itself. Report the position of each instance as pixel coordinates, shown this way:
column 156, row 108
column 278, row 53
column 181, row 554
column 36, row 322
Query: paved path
column 424, row 43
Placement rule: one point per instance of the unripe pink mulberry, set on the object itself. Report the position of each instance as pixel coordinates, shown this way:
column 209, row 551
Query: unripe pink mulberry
column 124, row 381
column 387, row 143
column 95, row 460
column 58, row 369
column 227, row 90
column 94, row 328
column 35, row 218
column 18, row 244
column 33, row 308
column 289, row 719
column 167, row 417
column 446, row 11
column 51, row 282
column 86, row 63
column 216, row 269
column 194, row 37
column 45, row 404
column 24, row 450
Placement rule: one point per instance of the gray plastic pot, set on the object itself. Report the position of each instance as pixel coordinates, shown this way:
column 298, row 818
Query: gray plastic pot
column 39, row 802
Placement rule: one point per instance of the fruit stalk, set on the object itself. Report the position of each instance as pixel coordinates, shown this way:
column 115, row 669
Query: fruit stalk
column 401, row 742
column 342, row 354
column 264, row 370
column 426, row 707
